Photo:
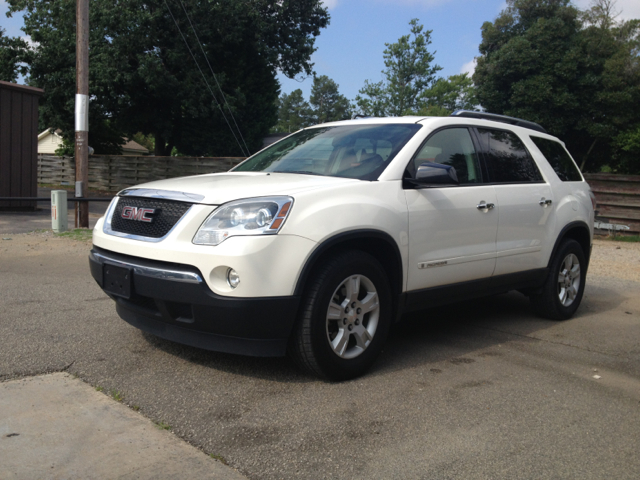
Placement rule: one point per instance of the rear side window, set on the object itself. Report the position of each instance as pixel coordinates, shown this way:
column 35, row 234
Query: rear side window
column 559, row 159
column 508, row 160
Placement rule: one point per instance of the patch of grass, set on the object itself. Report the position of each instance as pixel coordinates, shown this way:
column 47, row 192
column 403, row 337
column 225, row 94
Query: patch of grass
column 220, row 458
column 163, row 426
column 623, row 238
column 117, row 396
column 100, row 389
column 79, row 234
column 136, row 407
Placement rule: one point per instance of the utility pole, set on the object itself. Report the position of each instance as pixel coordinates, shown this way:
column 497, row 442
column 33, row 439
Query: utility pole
column 82, row 111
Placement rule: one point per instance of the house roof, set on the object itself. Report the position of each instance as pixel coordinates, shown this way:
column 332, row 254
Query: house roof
column 129, row 146
column 133, row 146
column 49, row 131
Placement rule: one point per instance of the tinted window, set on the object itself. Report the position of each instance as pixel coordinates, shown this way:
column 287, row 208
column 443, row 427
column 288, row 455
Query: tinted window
column 559, row 159
column 353, row 151
column 508, row 161
column 454, row 147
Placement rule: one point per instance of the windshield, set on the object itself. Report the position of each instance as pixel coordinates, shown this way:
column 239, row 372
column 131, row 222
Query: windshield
column 353, row 151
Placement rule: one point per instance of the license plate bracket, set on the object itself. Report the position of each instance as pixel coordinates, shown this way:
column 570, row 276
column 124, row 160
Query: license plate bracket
column 116, row 280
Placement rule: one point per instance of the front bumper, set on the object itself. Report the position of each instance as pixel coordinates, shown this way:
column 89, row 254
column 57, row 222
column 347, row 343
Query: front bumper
column 172, row 301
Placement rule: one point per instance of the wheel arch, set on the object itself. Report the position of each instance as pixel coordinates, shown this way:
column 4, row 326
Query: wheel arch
column 376, row 243
column 578, row 231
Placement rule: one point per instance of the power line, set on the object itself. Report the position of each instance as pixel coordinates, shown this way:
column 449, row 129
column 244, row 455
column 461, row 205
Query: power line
column 224, row 98
column 205, row 80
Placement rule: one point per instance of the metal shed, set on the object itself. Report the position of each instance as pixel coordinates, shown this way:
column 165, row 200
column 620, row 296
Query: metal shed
column 18, row 144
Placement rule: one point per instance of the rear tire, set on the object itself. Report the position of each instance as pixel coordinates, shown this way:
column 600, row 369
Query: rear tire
column 345, row 317
column 562, row 291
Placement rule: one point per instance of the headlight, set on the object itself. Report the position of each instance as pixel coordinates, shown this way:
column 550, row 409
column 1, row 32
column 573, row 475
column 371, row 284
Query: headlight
column 252, row 216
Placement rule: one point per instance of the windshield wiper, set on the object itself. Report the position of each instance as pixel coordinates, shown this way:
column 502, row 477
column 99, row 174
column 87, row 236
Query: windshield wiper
column 302, row 172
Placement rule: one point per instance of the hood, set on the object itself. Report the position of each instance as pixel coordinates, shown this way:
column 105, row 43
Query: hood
column 219, row 188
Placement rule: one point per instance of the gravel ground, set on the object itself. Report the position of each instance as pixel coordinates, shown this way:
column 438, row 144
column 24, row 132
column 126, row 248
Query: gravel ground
column 616, row 259
column 478, row 390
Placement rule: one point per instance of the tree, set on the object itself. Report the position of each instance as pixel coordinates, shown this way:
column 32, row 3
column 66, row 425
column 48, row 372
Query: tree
column 409, row 72
column 580, row 80
column 13, row 53
column 328, row 104
column 144, row 78
column 627, row 150
column 456, row 92
column 294, row 113
column 602, row 14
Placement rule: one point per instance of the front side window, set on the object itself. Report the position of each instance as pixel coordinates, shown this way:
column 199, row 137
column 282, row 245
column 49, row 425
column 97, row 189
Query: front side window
column 454, row 147
column 559, row 159
column 508, row 160
column 351, row 151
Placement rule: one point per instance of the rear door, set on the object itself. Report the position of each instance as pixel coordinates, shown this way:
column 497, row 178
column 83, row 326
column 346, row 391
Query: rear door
column 525, row 202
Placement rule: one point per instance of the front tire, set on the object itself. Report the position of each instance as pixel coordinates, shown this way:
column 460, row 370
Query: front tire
column 345, row 317
column 562, row 291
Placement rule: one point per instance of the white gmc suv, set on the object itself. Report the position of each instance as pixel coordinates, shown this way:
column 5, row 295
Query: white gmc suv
column 317, row 244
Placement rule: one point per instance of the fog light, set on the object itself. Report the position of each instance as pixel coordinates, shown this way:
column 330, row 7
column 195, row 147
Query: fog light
column 233, row 279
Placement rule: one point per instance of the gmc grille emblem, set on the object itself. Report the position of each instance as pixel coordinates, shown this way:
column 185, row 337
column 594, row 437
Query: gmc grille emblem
column 139, row 214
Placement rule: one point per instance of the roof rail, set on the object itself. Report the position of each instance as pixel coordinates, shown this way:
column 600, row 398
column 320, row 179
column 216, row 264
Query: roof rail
column 499, row 118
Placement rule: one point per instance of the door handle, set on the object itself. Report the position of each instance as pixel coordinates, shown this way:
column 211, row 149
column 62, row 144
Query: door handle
column 544, row 202
column 485, row 206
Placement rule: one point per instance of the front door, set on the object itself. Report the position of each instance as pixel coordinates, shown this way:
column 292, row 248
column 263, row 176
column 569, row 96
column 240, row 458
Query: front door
column 452, row 230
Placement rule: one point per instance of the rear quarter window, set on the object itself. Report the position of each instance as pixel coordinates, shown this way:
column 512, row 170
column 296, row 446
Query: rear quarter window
column 559, row 159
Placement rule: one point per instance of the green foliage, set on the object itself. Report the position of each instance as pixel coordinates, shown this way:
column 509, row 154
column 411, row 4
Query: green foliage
column 328, row 104
column 66, row 148
column 447, row 95
column 626, row 151
column 623, row 238
column 163, row 426
column 374, row 101
column 629, row 141
column 143, row 78
column 325, row 104
column 80, row 235
column 409, row 72
column 294, row 113
column 220, row 458
column 147, row 141
column 576, row 74
column 14, row 52
column 117, row 396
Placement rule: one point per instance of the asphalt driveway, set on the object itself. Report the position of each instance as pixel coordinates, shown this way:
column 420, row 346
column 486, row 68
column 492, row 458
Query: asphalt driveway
column 480, row 390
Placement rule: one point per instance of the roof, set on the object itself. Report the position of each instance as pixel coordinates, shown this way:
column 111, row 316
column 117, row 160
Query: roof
column 129, row 146
column 133, row 146
column 21, row 88
column 50, row 131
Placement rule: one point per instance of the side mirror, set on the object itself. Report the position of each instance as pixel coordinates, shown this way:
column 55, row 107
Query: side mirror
column 435, row 174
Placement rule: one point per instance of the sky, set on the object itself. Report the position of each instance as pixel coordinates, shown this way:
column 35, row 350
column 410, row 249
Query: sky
column 350, row 49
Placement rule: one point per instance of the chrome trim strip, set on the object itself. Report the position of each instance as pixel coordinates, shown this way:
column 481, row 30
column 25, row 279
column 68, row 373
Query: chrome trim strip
column 164, row 194
column 109, row 231
column 157, row 273
column 519, row 251
column 441, row 262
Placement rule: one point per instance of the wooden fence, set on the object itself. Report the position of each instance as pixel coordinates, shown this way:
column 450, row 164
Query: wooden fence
column 618, row 199
column 617, row 196
column 112, row 173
